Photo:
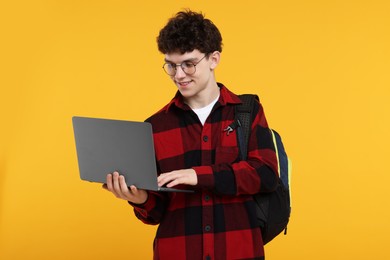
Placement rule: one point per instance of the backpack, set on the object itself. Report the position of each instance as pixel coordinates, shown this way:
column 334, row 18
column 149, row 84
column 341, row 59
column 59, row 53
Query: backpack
column 272, row 209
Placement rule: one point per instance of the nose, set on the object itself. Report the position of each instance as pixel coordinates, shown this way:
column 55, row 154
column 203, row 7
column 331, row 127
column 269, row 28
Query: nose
column 180, row 72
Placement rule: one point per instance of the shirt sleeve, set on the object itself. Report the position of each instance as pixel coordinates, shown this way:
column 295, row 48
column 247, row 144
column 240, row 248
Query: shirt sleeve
column 257, row 174
column 152, row 210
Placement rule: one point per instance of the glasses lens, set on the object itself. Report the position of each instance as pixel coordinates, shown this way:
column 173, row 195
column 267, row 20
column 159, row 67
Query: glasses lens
column 169, row 69
column 188, row 68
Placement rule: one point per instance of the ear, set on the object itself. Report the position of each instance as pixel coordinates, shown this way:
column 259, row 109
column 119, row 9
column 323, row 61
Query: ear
column 215, row 57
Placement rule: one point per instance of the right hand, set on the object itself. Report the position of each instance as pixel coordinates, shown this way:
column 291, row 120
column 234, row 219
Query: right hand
column 117, row 185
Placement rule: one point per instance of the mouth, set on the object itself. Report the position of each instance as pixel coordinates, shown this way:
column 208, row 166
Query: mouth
column 183, row 83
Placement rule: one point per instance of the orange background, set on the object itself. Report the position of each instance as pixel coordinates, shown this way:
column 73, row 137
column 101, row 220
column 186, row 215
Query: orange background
column 320, row 67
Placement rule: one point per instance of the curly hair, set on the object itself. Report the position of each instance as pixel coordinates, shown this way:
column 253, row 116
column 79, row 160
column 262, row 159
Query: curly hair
column 187, row 31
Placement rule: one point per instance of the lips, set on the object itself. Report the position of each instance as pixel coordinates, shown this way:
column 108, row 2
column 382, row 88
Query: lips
column 183, row 83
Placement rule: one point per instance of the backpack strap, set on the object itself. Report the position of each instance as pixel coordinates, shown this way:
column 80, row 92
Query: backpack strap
column 243, row 115
column 272, row 209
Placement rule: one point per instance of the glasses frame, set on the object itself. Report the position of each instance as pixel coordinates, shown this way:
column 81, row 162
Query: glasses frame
column 181, row 65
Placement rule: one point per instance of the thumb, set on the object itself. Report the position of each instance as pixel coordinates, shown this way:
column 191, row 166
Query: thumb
column 134, row 189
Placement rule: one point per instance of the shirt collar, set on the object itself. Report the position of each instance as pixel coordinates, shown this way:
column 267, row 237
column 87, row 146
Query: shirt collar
column 225, row 97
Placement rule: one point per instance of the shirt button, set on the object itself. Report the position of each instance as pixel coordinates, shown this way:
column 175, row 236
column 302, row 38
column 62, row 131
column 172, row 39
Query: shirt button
column 208, row 257
column 205, row 138
column 207, row 228
column 206, row 197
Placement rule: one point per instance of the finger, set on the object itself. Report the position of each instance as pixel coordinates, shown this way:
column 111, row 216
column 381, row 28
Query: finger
column 165, row 178
column 172, row 184
column 187, row 177
column 115, row 185
column 109, row 185
column 123, row 186
column 115, row 181
column 134, row 190
column 109, row 182
column 176, row 181
column 138, row 196
column 160, row 180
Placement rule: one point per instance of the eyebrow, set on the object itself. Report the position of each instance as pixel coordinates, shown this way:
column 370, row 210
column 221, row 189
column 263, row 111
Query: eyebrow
column 187, row 60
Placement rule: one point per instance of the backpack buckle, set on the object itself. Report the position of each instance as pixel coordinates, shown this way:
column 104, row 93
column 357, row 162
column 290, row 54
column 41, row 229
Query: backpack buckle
column 230, row 128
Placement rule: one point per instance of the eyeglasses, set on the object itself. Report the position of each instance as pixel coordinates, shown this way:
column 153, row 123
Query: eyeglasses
column 188, row 67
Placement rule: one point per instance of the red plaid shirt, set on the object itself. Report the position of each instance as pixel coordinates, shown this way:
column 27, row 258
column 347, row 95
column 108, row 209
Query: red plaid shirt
column 218, row 220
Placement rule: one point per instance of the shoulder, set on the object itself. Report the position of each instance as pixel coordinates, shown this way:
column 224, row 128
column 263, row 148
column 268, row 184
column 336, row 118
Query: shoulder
column 165, row 119
column 159, row 115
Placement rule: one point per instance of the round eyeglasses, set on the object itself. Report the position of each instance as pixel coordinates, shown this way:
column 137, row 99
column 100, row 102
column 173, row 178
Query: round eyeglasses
column 188, row 67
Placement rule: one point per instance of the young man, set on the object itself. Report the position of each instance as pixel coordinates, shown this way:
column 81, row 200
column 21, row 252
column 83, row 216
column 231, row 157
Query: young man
column 195, row 151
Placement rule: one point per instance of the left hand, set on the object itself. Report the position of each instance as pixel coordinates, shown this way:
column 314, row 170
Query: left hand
column 116, row 184
column 173, row 178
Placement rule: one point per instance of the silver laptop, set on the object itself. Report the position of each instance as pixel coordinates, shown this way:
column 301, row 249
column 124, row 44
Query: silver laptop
column 105, row 145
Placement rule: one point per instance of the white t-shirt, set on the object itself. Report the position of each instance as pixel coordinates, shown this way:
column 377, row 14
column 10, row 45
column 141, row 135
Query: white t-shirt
column 204, row 112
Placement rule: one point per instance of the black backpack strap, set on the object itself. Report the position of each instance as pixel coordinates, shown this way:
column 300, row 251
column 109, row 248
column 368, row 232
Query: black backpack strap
column 272, row 209
column 243, row 115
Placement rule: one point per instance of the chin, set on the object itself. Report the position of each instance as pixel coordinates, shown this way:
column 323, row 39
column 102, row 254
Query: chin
column 185, row 93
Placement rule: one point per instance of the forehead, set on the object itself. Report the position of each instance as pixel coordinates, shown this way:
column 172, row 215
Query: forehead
column 177, row 57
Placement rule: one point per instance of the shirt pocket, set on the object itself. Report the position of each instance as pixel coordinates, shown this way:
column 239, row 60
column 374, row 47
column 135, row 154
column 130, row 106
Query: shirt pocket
column 226, row 154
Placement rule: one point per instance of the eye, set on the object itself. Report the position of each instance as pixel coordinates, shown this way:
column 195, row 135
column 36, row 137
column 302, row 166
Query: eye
column 171, row 66
column 188, row 65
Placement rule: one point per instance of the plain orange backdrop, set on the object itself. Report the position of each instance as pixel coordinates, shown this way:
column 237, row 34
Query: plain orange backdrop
column 320, row 67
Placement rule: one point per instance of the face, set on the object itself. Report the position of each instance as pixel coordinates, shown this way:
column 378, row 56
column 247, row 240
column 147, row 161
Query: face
column 200, row 83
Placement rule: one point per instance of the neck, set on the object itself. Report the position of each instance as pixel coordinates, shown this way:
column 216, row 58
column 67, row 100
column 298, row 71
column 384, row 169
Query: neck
column 203, row 98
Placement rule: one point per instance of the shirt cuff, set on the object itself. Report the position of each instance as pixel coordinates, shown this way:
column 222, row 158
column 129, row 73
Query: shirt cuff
column 147, row 205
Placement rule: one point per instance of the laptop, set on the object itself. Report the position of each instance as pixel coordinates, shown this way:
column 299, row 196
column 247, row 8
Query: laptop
column 106, row 145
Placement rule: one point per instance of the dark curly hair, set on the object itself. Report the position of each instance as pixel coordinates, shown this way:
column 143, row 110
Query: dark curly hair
column 187, row 31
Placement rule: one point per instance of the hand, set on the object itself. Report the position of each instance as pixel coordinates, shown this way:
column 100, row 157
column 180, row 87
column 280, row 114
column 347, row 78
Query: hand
column 117, row 185
column 173, row 178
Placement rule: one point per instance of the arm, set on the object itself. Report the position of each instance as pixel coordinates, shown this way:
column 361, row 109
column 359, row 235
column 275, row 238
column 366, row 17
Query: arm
column 257, row 173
